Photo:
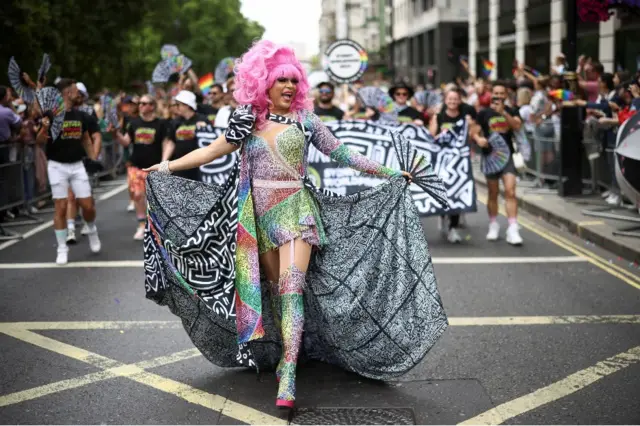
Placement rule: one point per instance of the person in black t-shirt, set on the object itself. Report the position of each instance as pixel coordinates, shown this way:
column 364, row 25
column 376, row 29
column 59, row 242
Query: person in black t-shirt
column 325, row 108
column 182, row 137
column 148, row 135
column 401, row 93
column 66, row 170
column 451, row 116
column 503, row 120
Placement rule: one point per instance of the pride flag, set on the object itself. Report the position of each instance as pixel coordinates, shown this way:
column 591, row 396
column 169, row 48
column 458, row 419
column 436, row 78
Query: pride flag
column 561, row 94
column 487, row 67
column 205, row 82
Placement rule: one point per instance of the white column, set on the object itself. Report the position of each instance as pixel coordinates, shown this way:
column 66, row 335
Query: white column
column 558, row 30
column 522, row 34
column 342, row 24
column 473, row 35
column 494, row 10
column 606, row 51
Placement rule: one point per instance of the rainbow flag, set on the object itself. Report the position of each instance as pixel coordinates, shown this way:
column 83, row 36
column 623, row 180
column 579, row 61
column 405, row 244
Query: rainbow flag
column 487, row 67
column 205, row 82
column 561, row 94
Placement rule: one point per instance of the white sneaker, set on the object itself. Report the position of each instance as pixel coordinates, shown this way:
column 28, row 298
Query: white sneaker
column 613, row 200
column 139, row 235
column 605, row 194
column 85, row 230
column 494, row 231
column 131, row 207
column 63, row 255
column 513, row 235
column 71, row 236
column 94, row 241
column 454, row 237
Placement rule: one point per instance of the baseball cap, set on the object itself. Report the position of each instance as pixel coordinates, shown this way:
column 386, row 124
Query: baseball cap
column 83, row 89
column 188, row 98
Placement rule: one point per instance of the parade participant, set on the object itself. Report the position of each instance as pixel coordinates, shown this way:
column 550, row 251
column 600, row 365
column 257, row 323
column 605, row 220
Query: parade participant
column 401, row 93
column 504, row 120
column 450, row 116
column 96, row 139
column 325, row 108
column 283, row 226
column 129, row 107
column 66, row 169
column 182, row 137
column 224, row 113
column 148, row 135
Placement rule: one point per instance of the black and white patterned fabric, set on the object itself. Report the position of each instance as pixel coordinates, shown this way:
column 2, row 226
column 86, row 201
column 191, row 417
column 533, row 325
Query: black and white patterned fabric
column 371, row 302
column 240, row 125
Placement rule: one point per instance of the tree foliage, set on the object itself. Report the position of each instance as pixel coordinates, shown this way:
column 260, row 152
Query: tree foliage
column 112, row 43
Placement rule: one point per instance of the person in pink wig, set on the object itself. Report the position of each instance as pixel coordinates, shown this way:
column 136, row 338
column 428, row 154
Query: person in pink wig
column 278, row 231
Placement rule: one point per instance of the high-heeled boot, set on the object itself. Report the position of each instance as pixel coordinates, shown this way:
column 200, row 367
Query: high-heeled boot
column 292, row 323
column 276, row 308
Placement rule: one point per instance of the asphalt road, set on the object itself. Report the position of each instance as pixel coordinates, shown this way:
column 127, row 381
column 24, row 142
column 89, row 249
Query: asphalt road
column 548, row 333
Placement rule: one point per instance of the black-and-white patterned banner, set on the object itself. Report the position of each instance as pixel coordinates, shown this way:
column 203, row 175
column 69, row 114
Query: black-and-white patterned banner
column 449, row 154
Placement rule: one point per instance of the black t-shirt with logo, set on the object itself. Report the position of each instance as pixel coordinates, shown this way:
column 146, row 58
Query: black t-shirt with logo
column 445, row 121
column 408, row 114
column 328, row 114
column 208, row 111
column 184, row 137
column 490, row 121
column 68, row 148
column 146, row 138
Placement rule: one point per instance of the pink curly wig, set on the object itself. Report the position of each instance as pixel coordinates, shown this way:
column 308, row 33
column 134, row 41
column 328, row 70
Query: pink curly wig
column 259, row 68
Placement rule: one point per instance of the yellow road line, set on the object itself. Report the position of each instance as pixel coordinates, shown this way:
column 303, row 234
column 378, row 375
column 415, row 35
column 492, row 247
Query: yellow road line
column 133, row 372
column 453, row 321
column 613, row 269
column 92, row 325
column 62, row 385
column 548, row 320
column 557, row 390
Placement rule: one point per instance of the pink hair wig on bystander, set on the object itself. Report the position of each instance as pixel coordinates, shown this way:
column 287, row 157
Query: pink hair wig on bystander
column 258, row 69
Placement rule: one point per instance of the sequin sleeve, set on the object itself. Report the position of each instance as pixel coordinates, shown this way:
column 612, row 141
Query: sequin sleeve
column 325, row 142
column 240, row 125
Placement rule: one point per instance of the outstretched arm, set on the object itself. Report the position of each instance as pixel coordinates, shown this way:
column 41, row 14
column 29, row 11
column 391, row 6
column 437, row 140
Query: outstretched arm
column 200, row 156
column 326, row 143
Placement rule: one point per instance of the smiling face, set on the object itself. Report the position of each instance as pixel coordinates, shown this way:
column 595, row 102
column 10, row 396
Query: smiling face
column 282, row 93
column 452, row 100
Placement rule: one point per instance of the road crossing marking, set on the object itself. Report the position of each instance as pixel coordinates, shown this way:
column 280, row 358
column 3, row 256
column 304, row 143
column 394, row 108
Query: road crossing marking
column 436, row 261
column 49, row 224
column 134, row 372
column 613, row 269
column 557, row 390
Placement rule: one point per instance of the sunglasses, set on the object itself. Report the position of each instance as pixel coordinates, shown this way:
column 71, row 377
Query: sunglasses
column 145, row 103
column 402, row 93
column 326, row 91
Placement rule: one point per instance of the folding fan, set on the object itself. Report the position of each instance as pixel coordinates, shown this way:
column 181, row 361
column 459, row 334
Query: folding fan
column 421, row 97
column 110, row 110
column 376, row 98
column 223, row 69
column 180, row 64
column 421, row 170
column 168, row 51
column 498, row 158
column 52, row 106
column 162, row 72
column 17, row 82
column 44, row 67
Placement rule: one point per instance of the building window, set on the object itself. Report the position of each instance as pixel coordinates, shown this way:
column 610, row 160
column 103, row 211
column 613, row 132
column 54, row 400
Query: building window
column 431, row 47
column 506, row 56
column 537, row 57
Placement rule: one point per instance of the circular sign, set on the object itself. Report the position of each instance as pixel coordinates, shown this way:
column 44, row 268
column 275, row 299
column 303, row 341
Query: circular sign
column 345, row 61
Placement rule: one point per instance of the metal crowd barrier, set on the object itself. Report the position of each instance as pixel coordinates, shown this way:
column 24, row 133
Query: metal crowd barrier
column 17, row 173
column 103, row 172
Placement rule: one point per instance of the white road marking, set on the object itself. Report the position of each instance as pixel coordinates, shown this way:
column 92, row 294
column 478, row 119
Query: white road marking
column 49, row 224
column 436, row 261
column 557, row 390
column 453, row 321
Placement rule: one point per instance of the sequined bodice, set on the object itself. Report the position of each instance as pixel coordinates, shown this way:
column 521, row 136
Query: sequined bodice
column 277, row 155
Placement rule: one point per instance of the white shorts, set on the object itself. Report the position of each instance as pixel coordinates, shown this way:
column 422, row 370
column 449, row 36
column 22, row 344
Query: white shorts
column 63, row 175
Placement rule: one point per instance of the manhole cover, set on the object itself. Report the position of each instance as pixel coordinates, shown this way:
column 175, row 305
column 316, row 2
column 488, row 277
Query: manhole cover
column 353, row 416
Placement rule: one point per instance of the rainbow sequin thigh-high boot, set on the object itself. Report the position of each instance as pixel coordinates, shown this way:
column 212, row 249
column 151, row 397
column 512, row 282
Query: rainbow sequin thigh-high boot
column 276, row 309
column 291, row 287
